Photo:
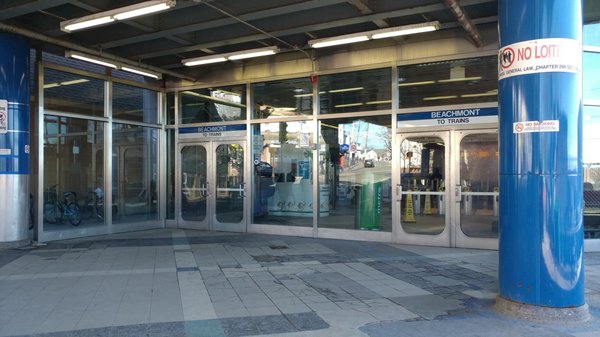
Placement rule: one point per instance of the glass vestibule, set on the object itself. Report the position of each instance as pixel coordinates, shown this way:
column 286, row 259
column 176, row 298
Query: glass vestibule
column 212, row 190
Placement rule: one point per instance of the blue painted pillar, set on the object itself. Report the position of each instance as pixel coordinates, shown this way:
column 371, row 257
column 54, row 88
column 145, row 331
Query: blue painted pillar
column 14, row 138
column 540, row 111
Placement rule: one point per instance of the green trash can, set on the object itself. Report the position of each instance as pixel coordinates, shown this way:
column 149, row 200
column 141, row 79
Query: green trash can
column 370, row 204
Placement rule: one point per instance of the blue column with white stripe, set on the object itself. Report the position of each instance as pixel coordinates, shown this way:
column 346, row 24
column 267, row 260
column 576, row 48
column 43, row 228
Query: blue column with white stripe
column 14, row 138
column 540, row 111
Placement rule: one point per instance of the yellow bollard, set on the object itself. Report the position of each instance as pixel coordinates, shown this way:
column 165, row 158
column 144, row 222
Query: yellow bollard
column 409, row 211
column 427, row 210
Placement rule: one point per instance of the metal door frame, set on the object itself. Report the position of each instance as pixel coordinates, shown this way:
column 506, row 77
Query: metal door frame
column 210, row 222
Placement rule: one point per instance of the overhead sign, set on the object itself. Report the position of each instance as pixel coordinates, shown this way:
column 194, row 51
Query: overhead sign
column 539, row 56
column 3, row 116
column 213, row 131
column 536, row 126
column 448, row 117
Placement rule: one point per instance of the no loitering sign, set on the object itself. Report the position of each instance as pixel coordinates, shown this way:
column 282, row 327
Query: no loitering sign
column 539, row 56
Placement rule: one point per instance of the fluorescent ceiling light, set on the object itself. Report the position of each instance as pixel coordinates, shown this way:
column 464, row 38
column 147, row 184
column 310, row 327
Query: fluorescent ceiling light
column 303, row 95
column 481, row 94
column 60, row 84
column 239, row 55
column 203, row 60
column 141, row 72
column 347, row 105
column 435, row 98
column 122, row 13
column 214, row 99
column 253, row 53
column 346, row 89
column 86, row 24
column 90, row 59
column 379, row 102
column 375, row 34
column 410, row 84
column 110, row 64
column 460, row 79
column 406, row 30
column 320, row 43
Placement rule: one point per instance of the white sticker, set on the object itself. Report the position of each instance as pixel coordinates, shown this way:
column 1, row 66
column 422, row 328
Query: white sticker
column 539, row 56
column 5, row 152
column 3, row 116
column 536, row 126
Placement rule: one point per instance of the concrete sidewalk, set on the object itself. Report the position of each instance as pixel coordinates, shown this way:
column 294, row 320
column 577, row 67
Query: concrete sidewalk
column 193, row 283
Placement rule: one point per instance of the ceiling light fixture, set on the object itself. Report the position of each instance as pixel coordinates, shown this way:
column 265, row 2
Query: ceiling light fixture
column 238, row 55
column 111, row 64
column 435, row 98
column 375, row 34
column 91, row 59
column 410, row 84
column 346, row 89
column 347, row 105
column 122, row 13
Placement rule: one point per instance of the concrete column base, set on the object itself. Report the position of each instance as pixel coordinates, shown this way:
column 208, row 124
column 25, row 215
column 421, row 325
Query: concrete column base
column 542, row 314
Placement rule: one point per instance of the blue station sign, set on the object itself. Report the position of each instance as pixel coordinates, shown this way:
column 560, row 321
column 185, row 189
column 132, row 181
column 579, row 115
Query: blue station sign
column 213, row 131
column 451, row 117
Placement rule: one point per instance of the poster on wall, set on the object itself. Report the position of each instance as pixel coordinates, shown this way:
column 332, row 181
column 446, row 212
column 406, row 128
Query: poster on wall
column 3, row 116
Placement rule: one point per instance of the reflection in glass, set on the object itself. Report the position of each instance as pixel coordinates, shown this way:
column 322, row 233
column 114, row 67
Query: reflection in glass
column 194, row 188
column 355, row 161
column 591, row 76
column 367, row 90
column 282, row 98
column 283, row 177
column 73, row 173
column 479, row 183
column 213, row 104
column 170, row 173
column 134, row 104
column 422, row 176
column 170, row 113
column 449, row 82
column 67, row 92
column 229, row 165
column 134, row 171
column 591, row 34
column 591, row 171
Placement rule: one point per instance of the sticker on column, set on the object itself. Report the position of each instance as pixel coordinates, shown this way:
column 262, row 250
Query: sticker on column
column 539, row 56
column 3, row 116
column 536, row 126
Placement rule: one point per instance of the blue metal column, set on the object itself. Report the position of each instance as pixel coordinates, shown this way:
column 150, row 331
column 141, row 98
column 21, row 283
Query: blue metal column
column 540, row 111
column 14, row 138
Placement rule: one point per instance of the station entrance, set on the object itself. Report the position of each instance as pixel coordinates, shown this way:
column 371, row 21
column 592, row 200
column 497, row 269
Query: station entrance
column 211, row 188
column 448, row 188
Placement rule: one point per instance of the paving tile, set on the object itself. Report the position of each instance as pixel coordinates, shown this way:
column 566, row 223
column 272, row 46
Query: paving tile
column 306, row 321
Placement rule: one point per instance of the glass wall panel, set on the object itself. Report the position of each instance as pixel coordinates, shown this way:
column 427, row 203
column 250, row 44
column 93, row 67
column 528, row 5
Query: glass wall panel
column 591, row 76
column 591, row 171
column 449, row 82
column 134, row 170
column 591, row 34
column 73, row 173
column 283, row 177
column 170, row 108
column 170, row 173
column 355, row 170
column 213, row 104
column 356, row 91
column 282, row 98
column 134, row 104
column 67, row 92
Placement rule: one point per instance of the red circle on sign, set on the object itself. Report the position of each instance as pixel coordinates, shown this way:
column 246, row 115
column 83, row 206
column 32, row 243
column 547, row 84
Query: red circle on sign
column 506, row 57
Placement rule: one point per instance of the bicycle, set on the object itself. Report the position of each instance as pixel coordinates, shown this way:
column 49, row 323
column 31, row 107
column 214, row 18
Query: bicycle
column 55, row 210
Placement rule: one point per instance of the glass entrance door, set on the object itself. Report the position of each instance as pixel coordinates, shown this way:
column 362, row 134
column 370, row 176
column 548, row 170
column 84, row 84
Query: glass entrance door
column 211, row 187
column 422, row 193
column 476, row 204
column 447, row 193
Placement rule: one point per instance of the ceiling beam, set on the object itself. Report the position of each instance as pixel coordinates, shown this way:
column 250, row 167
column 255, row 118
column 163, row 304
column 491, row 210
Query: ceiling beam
column 304, row 29
column 13, row 11
column 221, row 22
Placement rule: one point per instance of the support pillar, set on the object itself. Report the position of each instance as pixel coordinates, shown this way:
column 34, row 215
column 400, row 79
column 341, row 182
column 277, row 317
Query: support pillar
column 14, row 139
column 541, row 198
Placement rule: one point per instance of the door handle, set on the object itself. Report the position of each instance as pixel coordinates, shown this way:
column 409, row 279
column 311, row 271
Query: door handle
column 458, row 193
column 399, row 192
column 243, row 190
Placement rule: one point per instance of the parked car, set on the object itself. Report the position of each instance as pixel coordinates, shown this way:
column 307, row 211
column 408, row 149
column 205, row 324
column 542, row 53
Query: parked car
column 369, row 163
